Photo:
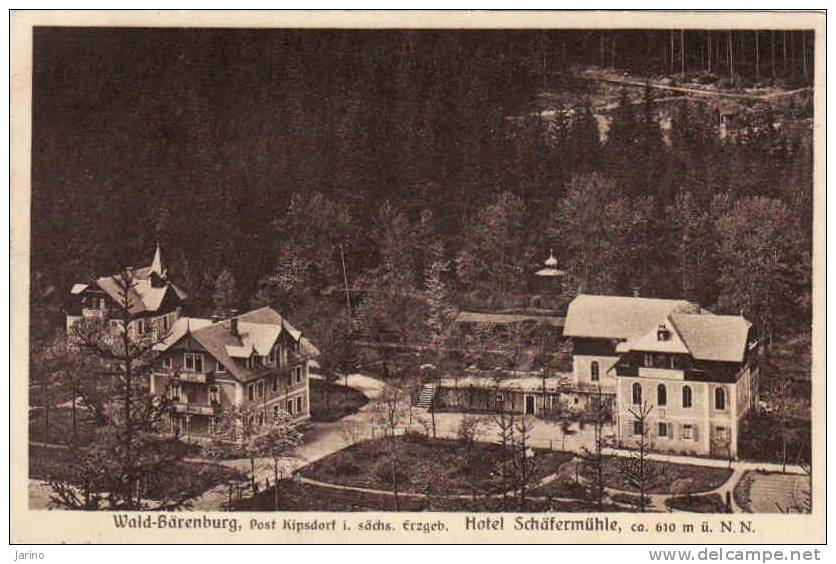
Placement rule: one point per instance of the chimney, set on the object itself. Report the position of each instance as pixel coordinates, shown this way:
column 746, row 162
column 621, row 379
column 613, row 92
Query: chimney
column 233, row 326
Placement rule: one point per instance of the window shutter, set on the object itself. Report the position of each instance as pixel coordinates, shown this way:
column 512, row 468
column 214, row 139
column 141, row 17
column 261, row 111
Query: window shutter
column 696, row 432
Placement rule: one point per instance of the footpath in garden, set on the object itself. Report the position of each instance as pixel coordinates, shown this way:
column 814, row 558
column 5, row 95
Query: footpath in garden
column 326, row 438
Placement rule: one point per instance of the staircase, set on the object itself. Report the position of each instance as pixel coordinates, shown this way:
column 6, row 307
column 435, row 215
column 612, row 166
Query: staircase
column 425, row 397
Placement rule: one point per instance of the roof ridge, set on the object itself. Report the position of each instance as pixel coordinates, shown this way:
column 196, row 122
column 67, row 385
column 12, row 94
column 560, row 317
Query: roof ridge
column 669, row 319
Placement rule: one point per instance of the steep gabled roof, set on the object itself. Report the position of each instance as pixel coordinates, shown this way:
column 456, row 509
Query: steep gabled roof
column 619, row 317
column 258, row 331
column 721, row 338
column 650, row 342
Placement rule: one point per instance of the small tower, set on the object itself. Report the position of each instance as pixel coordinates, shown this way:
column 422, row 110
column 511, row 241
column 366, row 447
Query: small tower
column 158, row 273
column 549, row 280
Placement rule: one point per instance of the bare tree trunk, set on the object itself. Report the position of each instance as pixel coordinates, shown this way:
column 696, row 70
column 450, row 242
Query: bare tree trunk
column 395, row 470
column 784, row 36
column 672, row 49
column 276, row 487
column 46, row 407
column 757, row 56
column 709, row 51
column 731, row 55
column 804, row 55
column 772, row 47
column 72, row 414
column 682, row 51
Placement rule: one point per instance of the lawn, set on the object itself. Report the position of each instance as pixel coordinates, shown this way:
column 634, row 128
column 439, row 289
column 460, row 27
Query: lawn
column 743, row 491
column 297, row 496
column 60, row 429
column 711, row 503
column 46, row 463
column 341, row 400
column 702, row 478
column 443, row 463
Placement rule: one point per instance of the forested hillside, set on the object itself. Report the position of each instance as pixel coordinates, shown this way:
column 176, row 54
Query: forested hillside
column 407, row 168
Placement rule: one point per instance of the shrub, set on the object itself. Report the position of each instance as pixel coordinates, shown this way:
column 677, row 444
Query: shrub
column 347, row 469
column 384, row 474
column 711, row 503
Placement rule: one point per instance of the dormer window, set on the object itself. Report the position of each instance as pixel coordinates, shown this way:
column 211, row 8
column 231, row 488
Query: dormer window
column 193, row 362
column 271, row 358
column 662, row 333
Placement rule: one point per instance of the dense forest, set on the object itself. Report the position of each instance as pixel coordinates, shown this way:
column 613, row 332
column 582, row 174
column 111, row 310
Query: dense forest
column 388, row 174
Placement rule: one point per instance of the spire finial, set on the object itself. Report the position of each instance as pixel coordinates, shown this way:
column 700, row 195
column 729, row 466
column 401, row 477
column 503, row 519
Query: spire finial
column 157, row 263
column 551, row 262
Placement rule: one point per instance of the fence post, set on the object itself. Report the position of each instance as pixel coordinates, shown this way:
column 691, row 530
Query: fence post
column 551, row 446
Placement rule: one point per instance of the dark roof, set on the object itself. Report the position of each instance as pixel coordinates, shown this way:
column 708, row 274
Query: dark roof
column 506, row 318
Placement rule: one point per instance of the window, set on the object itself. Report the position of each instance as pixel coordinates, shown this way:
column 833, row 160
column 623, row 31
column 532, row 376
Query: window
column 249, row 362
column 193, row 362
column 720, row 399
column 648, row 360
column 262, row 418
column 260, row 387
column 168, row 362
column 687, row 397
column 637, row 393
column 721, row 433
column 594, row 371
column 662, row 333
column 637, row 428
column 274, row 383
column 276, row 414
column 251, row 392
column 661, row 395
column 221, row 369
column 174, row 391
column 214, row 394
column 298, row 374
column 140, row 326
column 663, row 429
column 211, row 425
column 271, row 358
column 688, row 432
column 299, row 405
column 282, row 355
column 290, row 407
column 165, row 323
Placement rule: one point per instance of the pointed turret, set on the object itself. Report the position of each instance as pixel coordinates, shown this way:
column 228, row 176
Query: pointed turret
column 157, row 263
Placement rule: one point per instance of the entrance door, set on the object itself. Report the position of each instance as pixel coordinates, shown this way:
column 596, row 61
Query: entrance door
column 529, row 405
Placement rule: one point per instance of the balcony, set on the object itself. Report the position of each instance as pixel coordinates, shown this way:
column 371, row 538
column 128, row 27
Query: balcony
column 661, row 373
column 193, row 408
column 193, row 377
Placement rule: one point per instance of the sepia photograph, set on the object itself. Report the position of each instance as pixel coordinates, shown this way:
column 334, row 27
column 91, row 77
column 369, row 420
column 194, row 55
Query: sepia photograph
column 539, row 271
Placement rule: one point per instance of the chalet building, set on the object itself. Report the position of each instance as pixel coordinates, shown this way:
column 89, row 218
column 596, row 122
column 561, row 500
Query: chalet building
column 154, row 302
column 257, row 362
column 696, row 371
